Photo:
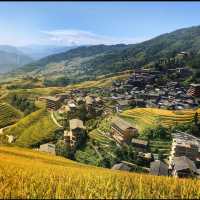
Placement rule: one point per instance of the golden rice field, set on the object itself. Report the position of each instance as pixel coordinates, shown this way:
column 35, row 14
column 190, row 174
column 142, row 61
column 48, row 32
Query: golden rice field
column 147, row 117
column 101, row 82
column 28, row 174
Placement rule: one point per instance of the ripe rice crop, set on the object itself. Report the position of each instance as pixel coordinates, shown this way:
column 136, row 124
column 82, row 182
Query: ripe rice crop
column 28, row 174
column 146, row 117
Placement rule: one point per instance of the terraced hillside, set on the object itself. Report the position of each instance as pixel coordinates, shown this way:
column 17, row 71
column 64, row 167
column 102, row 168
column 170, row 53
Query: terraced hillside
column 8, row 115
column 147, row 117
column 33, row 129
column 28, row 174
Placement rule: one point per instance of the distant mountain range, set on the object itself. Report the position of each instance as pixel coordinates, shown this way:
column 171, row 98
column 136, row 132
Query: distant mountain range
column 12, row 57
column 88, row 62
column 39, row 51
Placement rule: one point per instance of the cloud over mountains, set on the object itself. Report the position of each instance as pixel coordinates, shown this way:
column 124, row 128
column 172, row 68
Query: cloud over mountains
column 71, row 37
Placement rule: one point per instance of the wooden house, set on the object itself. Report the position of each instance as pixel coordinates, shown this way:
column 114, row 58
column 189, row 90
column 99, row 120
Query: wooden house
column 158, row 168
column 122, row 131
column 76, row 133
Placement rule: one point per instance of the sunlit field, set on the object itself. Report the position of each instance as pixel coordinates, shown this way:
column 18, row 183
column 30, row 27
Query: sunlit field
column 28, row 174
column 147, row 117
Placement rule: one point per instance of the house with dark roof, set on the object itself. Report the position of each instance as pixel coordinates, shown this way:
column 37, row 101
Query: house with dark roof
column 194, row 90
column 140, row 145
column 52, row 103
column 75, row 135
column 48, row 148
column 183, row 167
column 121, row 166
column 122, row 131
column 158, row 168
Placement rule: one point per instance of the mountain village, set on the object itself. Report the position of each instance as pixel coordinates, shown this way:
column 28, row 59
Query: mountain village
column 140, row 90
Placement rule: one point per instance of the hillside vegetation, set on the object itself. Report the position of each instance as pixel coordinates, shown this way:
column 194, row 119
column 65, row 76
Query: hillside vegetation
column 33, row 129
column 148, row 117
column 85, row 63
column 8, row 115
column 28, row 174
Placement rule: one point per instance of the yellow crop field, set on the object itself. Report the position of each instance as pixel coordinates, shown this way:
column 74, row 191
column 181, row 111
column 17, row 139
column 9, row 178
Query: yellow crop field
column 28, row 174
column 146, row 117
column 101, row 82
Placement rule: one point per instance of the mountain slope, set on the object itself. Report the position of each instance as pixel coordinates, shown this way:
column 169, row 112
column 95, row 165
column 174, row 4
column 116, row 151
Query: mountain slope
column 28, row 174
column 91, row 61
column 12, row 58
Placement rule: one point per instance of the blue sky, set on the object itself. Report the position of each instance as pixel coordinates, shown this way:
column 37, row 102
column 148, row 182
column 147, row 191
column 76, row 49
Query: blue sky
column 79, row 23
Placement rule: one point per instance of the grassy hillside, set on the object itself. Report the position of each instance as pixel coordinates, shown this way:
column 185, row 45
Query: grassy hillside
column 28, row 174
column 33, row 129
column 147, row 117
column 8, row 115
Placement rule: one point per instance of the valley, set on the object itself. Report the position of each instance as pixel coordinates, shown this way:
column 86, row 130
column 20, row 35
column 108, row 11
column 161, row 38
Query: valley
column 119, row 121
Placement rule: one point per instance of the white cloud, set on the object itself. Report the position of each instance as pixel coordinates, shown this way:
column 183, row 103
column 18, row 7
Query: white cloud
column 79, row 37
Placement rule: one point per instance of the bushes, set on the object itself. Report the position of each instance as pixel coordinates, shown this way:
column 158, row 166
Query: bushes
column 159, row 132
column 60, row 82
column 64, row 150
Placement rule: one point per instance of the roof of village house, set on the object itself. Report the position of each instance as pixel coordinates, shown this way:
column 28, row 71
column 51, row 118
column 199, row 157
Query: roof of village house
column 76, row 123
column 98, row 99
column 195, row 84
column 89, row 100
column 123, row 102
column 48, row 144
column 184, row 162
column 139, row 141
column 121, row 166
column 78, row 99
column 158, row 168
column 122, row 124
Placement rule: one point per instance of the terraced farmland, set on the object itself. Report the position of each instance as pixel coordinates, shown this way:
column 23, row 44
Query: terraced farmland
column 33, row 129
column 99, row 137
column 25, row 174
column 8, row 115
column 148, row 117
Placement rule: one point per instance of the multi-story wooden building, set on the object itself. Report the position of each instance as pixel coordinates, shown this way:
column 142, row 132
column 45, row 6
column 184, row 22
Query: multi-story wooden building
column 52, row 103
column 76, row 134
column 183, row 167
column 194, row 90
column 122, row 131
column 184, row 145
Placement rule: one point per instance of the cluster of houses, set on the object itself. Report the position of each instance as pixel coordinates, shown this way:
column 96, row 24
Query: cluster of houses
column 138, row 90
column 66, row 102
column 141, row 90
column 184, row 158
column 70, row 103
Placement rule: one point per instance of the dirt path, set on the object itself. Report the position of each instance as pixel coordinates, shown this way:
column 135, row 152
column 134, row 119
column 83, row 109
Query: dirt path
column 54, row 120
